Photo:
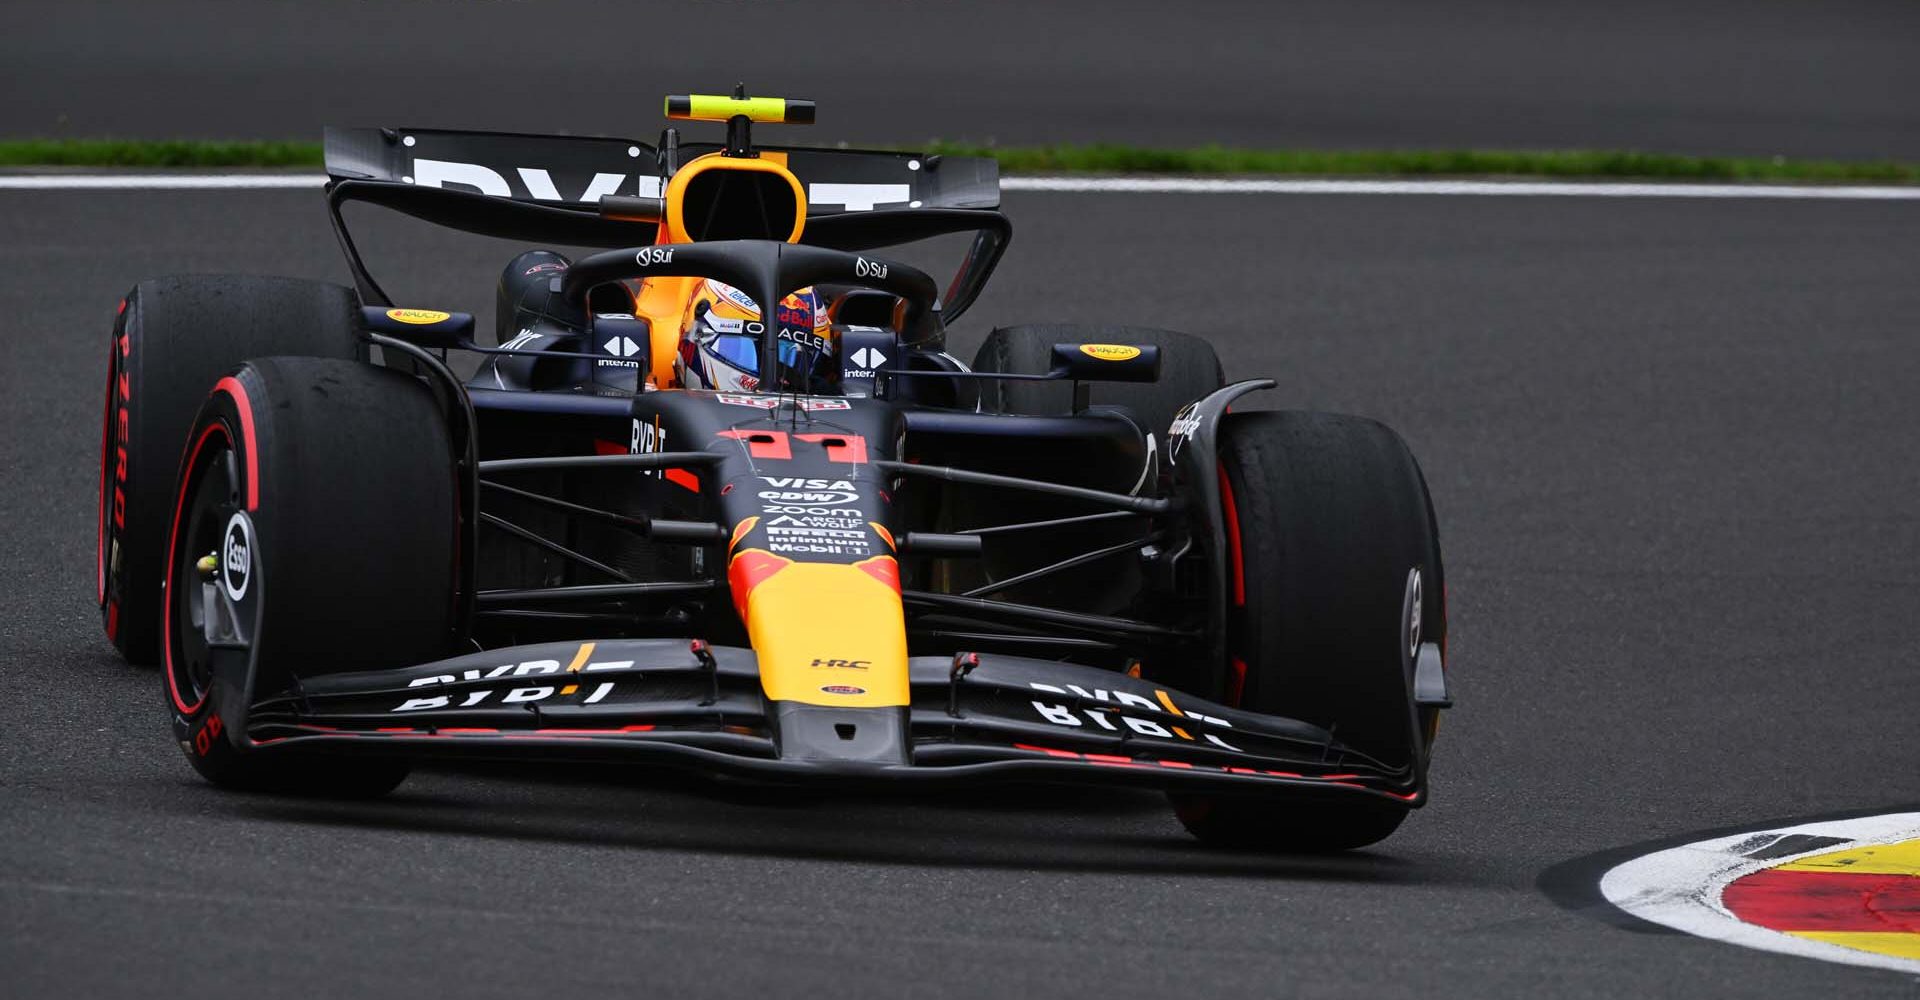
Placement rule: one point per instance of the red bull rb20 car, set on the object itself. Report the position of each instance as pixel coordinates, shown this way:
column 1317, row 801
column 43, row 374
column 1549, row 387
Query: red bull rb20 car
column 662, row 523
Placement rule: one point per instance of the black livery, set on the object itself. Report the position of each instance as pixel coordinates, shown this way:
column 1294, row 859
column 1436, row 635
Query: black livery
column 1067, row 561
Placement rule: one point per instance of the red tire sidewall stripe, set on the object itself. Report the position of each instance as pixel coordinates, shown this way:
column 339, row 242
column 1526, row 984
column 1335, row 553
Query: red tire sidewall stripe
column 106, row 463
column 173, row 548
column 232, row 387
column 243, row 407
column 1231, row 512
column 1236, row 557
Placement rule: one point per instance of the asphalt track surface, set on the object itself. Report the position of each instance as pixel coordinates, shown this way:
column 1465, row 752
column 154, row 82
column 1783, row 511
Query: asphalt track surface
column 1672, row 447
column 1813, row 78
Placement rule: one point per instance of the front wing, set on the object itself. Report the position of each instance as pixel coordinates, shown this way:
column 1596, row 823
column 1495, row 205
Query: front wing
column 973, row 718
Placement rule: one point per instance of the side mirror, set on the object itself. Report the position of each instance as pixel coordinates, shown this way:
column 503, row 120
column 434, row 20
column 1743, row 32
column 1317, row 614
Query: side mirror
column 1106, row 362
column 627, row 208
column 423, row 327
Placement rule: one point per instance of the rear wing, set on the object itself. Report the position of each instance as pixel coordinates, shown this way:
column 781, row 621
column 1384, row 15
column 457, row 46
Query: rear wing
column 547, row 188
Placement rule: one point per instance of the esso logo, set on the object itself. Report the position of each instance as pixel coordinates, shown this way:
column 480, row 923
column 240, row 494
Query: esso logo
column 236, row 556
column 869, row 268
column 649, row 256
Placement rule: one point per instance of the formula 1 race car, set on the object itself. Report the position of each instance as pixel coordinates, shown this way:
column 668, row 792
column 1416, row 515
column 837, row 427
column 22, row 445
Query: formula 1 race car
column 718, row 498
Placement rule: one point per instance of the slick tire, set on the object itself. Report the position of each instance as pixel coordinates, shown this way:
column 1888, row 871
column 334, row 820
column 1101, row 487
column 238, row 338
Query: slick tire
column 172, row 339
column 1326, row 515
column 313, row 533
column 1189, row 369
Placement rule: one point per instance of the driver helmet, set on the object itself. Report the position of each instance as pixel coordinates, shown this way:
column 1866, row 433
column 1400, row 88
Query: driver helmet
column 720, row 344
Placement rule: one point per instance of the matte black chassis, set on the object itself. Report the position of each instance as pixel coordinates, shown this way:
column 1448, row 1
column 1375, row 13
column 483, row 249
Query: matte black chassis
column 728, row 728
column 961, row 729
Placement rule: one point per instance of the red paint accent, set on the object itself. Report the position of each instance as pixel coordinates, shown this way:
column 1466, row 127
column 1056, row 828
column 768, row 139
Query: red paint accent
column 883, row 569
column 1049, row 751
column 1826, row 901
column 608, row 448
column 683, row 478
column 123, row 307
column 173, row 543
column 840, row 447
column 1234, row 554
column 232, row 387
column 1338, row 777
column 772, row 445
column 113, row 620
column 1237, row 686
column 1101, row 758
column 456, row 731
column 106, row 504
column 395, row 729
column 1175, row 763
column 748, row 570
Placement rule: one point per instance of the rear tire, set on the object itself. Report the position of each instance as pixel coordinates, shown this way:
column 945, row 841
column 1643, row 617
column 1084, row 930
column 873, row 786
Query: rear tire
column 172, row 339
column 1329, row 514
column 339, row 556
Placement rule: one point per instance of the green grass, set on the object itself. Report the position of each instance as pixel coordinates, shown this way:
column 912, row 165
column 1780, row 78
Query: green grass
column 1219, row 160
column 155, row 153
column 1100, row 159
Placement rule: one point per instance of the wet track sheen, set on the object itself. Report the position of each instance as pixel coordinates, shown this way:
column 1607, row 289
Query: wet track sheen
column 1672, row 446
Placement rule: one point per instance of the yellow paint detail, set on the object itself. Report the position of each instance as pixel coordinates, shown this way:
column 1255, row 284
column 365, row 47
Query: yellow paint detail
column 663, row 303
column 1900, row 944
column 810, row 612
column 1902, row 858
column 580, row 657
column 1167, row 702
column 885, row 535
column 740, row 531
column 1177, row 731
column 1134, row 670
column 419, row 317
column 569, row 689
column 1110, row 352
column 717, row 108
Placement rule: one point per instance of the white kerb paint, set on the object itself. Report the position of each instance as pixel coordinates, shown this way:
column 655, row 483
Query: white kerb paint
column 1681, row 887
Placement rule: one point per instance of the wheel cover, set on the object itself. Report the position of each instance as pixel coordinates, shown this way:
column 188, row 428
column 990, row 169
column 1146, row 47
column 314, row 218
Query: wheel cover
column 213, row 590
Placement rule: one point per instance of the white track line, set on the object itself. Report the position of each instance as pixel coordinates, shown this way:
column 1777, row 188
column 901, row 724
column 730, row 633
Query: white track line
column 1096, row 185
column 157, row 182
column 1523, row 189
column 1681, row 887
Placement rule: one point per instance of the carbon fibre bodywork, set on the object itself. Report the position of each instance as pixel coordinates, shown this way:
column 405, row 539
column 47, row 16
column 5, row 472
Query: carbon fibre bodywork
column 874, row 581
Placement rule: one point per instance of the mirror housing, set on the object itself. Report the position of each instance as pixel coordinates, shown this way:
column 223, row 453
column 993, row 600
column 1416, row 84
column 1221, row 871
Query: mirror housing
column 429, row 328
column 1106, row 362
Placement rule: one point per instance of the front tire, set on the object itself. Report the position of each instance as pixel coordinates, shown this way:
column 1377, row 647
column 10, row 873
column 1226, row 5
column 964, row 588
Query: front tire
column 314, row 533
column 172, row 338
column 1327, row 515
